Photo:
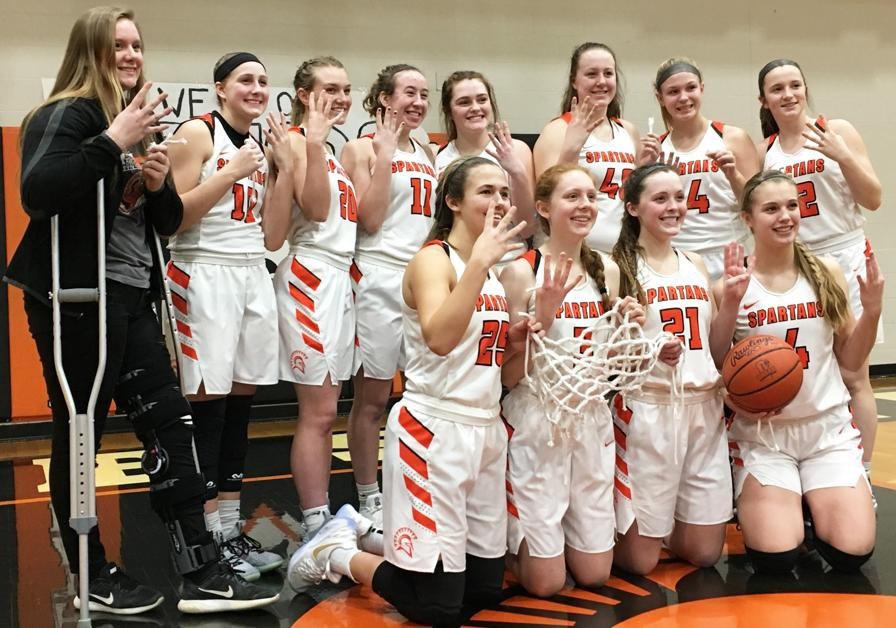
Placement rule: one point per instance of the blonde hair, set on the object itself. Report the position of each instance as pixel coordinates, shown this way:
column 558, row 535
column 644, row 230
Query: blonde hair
column 88, row 67
column 667, row 69
column 830, row 294
column 304, row 79
column 590, row 259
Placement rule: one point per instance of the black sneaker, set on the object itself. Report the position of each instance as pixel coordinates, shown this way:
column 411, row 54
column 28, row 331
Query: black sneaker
column 113, row 591
column 221, row 589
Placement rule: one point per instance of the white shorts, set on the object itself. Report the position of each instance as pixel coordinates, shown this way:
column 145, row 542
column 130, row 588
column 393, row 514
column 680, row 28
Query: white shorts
column 852, row 261
column 560, row 495
column 443, row 488
column 378, row 345
column 823, row 451
column 316, row 320
column 671, row 468
column 226, row 325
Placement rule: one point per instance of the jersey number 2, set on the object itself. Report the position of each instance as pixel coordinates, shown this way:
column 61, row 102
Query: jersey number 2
column 348, row 205
column 243, row 202
column 806, row 195
column 492, row 343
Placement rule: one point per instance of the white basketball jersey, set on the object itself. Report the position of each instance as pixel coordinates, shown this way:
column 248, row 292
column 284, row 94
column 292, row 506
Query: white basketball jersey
column 334, row 238
column 680, row 304
column 448, row 153
column 713, row 211
column 609, row 163
column 465, row 385
column 797, row 317
column 829, row 215
column 409, row 215
column 231, row 230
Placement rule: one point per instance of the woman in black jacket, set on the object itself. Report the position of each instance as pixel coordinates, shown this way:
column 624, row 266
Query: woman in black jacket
column 97, row 125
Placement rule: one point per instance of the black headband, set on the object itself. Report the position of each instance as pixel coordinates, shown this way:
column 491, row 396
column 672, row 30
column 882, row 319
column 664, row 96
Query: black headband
column 228, row 66
column 676, row 68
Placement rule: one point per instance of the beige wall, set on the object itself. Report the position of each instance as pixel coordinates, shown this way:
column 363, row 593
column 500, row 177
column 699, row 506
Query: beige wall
column 846, row 48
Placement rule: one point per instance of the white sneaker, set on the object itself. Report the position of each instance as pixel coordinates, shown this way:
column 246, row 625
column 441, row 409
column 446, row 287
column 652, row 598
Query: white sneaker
column 311, row 562
column 250, row 551
column 370, row 537
column 245, row 570
column 372, row 508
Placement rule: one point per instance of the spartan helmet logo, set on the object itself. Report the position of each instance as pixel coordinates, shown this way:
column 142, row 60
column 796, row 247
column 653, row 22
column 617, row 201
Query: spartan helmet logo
column 297, row 361
column 403, row 541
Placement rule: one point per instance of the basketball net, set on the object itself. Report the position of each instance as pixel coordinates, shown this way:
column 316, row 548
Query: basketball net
column 570, row 376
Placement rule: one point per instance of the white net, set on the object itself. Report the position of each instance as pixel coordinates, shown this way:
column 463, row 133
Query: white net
column 569, row 376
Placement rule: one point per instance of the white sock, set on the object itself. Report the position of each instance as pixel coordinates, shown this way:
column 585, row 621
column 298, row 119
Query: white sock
column 372, row 542
column 340, row 561
column 315, row 517
column 213, row 522
column 365, row 490
column 867, row 465
column 229, row 510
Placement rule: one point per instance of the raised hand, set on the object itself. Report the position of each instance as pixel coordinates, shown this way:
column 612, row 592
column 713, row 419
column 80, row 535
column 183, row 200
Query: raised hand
column 155, row 167
column 139, row 119
column 871, row 288
column 736, row 276
column 503, row 152
column 247, row 160
column 320, row 119
column 825, row 141
column 586, row 116
column 388, row 132
column 726, row 161
column 557, row 281
column 277, row 137
column 497, row 237
column 651, row 150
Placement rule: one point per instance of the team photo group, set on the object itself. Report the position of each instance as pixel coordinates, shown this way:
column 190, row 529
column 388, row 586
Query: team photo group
column 562, row 316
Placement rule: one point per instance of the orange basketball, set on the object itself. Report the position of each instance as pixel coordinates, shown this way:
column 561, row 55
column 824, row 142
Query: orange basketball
column 762, row 373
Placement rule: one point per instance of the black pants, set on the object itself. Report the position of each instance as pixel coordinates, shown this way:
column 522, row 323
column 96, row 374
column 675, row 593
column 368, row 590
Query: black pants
column 133, row 340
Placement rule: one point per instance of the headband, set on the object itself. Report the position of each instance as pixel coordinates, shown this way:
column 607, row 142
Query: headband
column 232, row 63
column 676, row 68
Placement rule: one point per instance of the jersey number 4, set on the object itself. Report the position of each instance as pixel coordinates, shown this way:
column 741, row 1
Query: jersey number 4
column 492, row 343
column 790, row 338
column 697, row 201
column 684, row 323
column 244, row 201
column 422, row 198
column 609, row 187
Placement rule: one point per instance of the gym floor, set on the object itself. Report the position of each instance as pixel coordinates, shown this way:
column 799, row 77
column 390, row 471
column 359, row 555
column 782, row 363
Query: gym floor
column 36, row 591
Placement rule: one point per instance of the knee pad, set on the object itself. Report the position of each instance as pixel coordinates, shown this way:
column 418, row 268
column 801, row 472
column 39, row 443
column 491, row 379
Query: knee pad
column 431, row 599
column 168, row 499
column 208, row 417
column 773, row 563
column 234, row 443
column 840, row 560
column 484, row 579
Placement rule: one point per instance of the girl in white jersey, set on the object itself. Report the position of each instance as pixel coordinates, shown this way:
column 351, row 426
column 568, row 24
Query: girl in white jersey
column 560, row 497
column 835, row 179
column 395, row 184
column 445, row 450
column 715, row 160
column 224, row 300
column 811, row 449
column 672, row 473
column 470, row 114
column 590, row 132
column 314, row 292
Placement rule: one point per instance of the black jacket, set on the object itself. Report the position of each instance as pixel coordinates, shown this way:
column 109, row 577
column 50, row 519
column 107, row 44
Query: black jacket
column 65, row 151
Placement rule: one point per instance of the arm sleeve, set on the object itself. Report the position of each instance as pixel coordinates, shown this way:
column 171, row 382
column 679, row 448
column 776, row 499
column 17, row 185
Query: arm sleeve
column 64, row 153
column 164, row 209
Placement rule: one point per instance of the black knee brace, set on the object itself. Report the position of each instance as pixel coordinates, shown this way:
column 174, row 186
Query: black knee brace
column 208, row 419
column 234, row 443
column 840, row 560
column 773, row 563
column 432, row 599
column 191, row 549
column 483, row 586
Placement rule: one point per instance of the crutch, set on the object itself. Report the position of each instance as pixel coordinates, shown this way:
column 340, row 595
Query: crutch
column 82, row 492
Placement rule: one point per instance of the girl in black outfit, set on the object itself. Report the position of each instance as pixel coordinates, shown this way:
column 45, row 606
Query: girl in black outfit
column 96, row 125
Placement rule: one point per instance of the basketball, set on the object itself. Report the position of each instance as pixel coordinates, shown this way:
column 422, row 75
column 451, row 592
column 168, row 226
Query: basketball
column 762, row 373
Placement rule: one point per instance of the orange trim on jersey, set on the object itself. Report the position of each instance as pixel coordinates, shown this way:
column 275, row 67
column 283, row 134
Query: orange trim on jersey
column 620, row 437
column 616, row 120
column 355, row 272
column 415, row 428
column 737, row 461
column 189, row 351
column 178, row 276
column 820, row 123
column 622, row 465
column 306, row 322
column 622, row 488
column 566, row 117
column 296, row 129
column 305, row 275
column 180, row 303
column 300, row 297
column 423, row 520
column 369, row 135
column 770, row 140
column 183, row 328
column 511, row 510
column 508, row 486
column 664, row 136
column 417, row 491
column 312, row 343
column 621, row 411
column 533, row 258
column 412, row 459
column 718, row 127
column 209, row 120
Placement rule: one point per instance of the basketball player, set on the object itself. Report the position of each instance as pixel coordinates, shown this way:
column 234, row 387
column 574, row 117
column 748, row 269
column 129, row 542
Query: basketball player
column 830, row 165
column 445, row 444
column 590, row 132
column 560, row 497
column 395, row 182
column 715, row 160
column 224, row 300
column 470, row 114
column 810, row 450
column 314, row 293
column 672, row 475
